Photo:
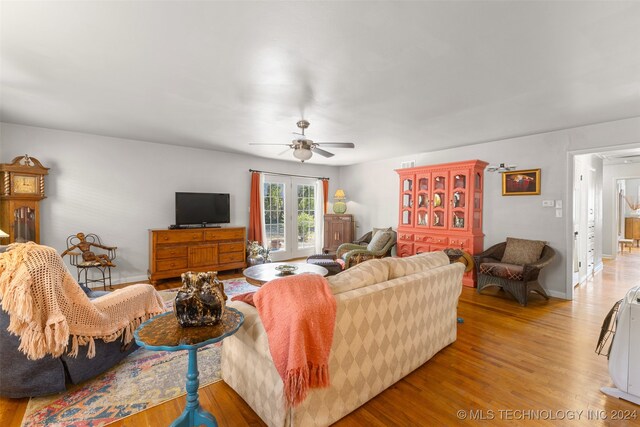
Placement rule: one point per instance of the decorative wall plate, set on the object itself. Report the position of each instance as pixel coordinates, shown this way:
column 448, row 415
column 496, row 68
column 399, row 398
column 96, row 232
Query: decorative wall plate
column 437, row 201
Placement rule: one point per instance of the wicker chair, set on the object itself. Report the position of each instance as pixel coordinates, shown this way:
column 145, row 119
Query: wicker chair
column 353, row 253
column 364, row 240
column 349, row 254
column 517, row 280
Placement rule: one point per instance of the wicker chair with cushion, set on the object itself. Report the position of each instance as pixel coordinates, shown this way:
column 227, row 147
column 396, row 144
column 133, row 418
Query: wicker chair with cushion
column 366, row 239
column 514, row 266
column 350, row 254
column 380, row 246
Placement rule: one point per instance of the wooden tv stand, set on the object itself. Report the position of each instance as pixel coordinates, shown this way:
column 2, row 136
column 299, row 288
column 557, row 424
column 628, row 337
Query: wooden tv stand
column 173, row 252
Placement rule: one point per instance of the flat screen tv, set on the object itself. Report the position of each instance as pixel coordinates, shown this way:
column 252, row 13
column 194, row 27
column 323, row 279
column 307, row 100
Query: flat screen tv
column 202, row 208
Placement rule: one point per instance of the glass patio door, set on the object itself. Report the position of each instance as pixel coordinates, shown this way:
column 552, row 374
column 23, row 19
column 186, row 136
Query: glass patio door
column 275, row 224
column 304, row 218
column 289, row 216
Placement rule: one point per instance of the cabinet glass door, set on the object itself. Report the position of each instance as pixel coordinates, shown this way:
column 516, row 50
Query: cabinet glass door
column 439, row 201
column 24, row 224
column 477, row 202
column 406, row 213
column 422, row 195
column 459, row 193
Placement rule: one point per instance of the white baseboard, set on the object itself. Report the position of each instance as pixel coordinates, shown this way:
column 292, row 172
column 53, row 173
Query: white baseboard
column 557, row 294
column 598, row 268
column 120, row 280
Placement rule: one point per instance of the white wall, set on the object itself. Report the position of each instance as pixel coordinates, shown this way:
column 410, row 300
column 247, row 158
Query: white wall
column 611, row 173
column 632, row 191
column 120, row 188
column 373, row 187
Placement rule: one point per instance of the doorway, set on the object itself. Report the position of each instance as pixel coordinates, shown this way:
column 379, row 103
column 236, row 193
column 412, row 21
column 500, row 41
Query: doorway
column 587, row 218
column 290, row 216
column 594, row 220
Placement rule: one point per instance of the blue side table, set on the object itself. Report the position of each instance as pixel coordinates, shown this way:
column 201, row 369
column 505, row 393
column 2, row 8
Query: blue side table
column 163, row 332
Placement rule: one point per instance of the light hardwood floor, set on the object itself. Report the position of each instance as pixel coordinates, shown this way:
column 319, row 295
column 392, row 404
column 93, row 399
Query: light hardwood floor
column 512, row 363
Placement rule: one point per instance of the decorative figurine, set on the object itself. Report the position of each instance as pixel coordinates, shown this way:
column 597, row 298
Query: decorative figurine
column 257, row 254
column 201, row 300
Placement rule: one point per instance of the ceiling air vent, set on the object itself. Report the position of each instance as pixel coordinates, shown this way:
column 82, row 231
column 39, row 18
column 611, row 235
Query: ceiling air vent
column 407, row 164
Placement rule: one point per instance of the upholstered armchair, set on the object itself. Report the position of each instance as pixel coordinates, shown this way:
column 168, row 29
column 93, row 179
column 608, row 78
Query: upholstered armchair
column 29, row 370
column 514, row 266
column 380, row 246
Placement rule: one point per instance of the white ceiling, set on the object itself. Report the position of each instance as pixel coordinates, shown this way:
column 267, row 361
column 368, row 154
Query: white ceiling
column 618, row 157
column 393, row 77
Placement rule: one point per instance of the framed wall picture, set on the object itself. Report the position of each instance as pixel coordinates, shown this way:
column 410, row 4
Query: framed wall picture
column 521, row 183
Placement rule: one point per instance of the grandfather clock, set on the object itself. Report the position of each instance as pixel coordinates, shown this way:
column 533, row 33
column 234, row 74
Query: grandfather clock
column 20, row 195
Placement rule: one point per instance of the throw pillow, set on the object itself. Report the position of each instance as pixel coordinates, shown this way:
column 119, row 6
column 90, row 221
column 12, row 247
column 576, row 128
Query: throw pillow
column 379, row 241
column 522, row 251
column 246, row 298
column 377, row 230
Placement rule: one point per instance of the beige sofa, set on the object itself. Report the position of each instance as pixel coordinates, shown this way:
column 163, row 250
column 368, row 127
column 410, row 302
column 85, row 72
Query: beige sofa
column 393, row 315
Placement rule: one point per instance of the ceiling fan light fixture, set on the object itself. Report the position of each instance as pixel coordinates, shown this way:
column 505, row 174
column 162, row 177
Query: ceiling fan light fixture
column 302, row 154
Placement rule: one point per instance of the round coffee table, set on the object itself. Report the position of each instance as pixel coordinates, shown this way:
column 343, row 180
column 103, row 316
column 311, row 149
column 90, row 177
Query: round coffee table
column 260, row 274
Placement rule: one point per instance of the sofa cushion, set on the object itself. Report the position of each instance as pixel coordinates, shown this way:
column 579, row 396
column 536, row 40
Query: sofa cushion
column 363, row 274
column 399, row 267
column 379, row 241
column 522, row 251
column 504, row 270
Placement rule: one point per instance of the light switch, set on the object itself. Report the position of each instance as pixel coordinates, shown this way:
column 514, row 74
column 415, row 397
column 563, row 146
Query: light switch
column 558, row 204
column 547, row 203
column 558, row 213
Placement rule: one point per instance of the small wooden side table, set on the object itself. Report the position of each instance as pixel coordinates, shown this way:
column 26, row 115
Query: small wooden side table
column 163, row 332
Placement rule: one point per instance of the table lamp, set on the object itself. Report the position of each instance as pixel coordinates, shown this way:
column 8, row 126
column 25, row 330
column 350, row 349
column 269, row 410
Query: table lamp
column 339, row 205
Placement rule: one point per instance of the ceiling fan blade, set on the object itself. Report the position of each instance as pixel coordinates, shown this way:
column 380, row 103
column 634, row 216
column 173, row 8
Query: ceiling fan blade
column 285, row 151
column 337, row 144
column 322, row 152
column 259, row 143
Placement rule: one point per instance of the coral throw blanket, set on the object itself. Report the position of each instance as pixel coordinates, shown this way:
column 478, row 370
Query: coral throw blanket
column 298, row 314
column 46, row 306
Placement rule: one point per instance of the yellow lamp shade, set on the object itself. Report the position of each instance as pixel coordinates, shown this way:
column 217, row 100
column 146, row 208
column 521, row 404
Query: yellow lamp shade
column 339, row 194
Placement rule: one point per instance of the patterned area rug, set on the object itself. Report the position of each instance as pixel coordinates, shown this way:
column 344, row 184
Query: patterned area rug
column 142, row 380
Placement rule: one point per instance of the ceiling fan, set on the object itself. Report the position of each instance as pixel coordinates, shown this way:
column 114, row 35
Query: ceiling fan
column 501, row 168
column 303, row 147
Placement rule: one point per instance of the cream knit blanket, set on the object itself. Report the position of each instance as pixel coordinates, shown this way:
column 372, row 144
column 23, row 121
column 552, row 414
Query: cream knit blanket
column 46, row 306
